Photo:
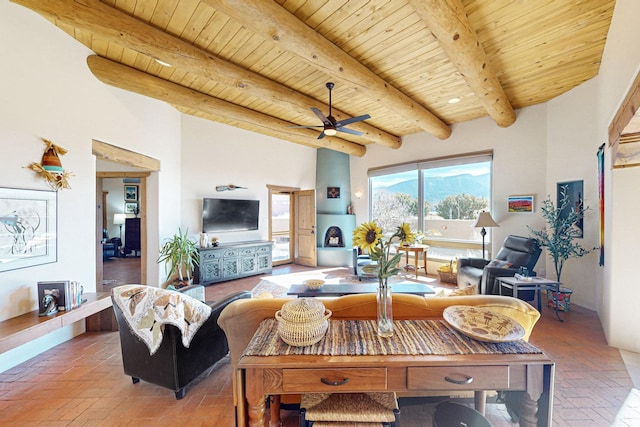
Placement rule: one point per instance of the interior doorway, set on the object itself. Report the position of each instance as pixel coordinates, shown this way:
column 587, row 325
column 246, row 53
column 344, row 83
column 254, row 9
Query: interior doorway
column 281, row 230
column 115, row 162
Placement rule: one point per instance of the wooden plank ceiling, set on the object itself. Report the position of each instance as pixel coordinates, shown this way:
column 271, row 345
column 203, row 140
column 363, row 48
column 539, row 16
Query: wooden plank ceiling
column 261, row 65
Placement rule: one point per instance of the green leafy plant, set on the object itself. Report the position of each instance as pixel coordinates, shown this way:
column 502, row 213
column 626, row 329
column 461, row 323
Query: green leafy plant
column 560, row 232
column 180, row 255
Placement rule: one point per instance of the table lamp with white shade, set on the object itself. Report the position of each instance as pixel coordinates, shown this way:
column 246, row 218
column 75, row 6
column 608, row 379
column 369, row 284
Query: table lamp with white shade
column 119, row 219
column 484, row 220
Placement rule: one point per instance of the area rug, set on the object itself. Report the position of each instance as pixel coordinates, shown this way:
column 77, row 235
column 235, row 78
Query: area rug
column 277, row 285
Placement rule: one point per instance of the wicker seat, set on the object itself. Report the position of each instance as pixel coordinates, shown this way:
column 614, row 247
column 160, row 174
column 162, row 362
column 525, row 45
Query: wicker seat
column 348, row 409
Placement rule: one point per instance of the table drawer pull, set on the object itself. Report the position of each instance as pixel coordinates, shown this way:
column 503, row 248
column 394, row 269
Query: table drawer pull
column 467, row 380
column 334, row 383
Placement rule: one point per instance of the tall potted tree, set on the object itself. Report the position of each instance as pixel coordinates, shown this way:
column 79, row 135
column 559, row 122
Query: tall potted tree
column 560, row 233
column 181, row 256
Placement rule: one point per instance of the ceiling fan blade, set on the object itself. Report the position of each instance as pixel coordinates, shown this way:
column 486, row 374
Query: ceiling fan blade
column 351, row 131
column 305, row 127
column 321, row 135
column 322, row 117
column 352, row 120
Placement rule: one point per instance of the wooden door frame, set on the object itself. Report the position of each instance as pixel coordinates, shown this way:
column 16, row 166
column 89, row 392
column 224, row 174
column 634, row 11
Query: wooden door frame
column 290, row 190
column 114, row 154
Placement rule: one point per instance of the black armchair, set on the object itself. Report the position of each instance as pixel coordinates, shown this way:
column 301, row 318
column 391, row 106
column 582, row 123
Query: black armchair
column 172, row 365
column 516, row 252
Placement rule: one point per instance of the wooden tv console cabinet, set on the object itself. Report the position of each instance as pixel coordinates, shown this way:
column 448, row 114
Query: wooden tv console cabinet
column 234, row 260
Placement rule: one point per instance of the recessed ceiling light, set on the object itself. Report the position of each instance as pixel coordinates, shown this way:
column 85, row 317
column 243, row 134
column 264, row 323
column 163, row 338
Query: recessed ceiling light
column 164, row 64
column 453, row 100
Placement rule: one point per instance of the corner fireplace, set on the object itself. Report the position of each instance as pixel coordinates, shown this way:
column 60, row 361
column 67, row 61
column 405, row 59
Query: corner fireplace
column 333, row 238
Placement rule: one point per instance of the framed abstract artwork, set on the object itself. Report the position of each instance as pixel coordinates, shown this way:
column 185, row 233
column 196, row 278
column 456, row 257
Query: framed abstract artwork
column 28, row 228
column 574, row 192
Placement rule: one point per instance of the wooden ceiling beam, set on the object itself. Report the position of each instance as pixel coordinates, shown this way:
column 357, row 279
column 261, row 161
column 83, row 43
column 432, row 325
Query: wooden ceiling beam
column 108, row 23
column 132, row 80
column 277, row 24
column 450, row 25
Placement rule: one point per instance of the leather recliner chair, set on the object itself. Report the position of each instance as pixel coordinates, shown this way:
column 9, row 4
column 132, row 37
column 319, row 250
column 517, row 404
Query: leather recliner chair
column 174, row 366
column 516, row 252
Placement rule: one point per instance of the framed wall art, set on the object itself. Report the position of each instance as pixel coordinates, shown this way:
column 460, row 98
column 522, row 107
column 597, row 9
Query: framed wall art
column 130, row 193
column 574, row 192
column 333, row 192
column 28, row 228
column 520, row 204
column 131, row 208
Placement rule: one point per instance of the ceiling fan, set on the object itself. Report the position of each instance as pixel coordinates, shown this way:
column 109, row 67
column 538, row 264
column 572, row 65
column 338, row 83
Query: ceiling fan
column 330, row 125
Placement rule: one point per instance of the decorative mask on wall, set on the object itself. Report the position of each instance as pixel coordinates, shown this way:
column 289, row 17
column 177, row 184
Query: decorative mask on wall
column 51, row 167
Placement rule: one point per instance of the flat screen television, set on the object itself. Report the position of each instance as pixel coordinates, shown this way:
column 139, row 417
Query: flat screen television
column 229, row 215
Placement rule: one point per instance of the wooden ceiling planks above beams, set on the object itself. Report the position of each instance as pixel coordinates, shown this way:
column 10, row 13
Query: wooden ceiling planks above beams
column 97, row 18
column 130, row 79
column 449, row 24
column 277, row 24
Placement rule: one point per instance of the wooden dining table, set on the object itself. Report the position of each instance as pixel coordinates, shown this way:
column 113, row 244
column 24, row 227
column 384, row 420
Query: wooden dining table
column 438, row 359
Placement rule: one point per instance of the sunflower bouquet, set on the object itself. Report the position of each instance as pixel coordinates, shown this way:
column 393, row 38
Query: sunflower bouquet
column 368, row 237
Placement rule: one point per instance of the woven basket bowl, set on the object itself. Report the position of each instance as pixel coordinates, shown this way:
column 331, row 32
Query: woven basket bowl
column 302, row 321
column 313, row 283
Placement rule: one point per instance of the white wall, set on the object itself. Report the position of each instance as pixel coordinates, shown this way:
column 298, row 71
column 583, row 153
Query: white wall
column 48, row 91
column 572, row 146
column 620, row 294
column 518, row 165
column 215, row 154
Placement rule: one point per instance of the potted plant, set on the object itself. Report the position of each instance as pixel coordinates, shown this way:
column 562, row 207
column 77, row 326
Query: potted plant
column 181, row 256
column 560, row 232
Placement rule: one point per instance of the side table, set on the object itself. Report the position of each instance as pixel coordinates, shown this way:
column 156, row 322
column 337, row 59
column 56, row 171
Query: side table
column 535, row 284
column 417, row 250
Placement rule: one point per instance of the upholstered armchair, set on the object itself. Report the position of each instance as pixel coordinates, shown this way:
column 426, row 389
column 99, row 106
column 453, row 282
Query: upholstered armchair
column 172, row 365
column 516, row 252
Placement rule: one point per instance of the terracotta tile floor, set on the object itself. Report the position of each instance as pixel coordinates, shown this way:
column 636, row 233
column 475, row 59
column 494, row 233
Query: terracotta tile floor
column 81, row 383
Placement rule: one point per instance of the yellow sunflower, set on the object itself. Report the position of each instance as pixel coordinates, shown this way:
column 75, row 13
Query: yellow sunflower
column 405, row 234
column 367, row 235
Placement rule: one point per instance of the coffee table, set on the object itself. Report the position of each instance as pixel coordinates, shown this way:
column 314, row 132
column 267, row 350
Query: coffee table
column 339, row 290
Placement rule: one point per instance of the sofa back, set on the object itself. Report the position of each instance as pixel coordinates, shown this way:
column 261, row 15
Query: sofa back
column 240, row 319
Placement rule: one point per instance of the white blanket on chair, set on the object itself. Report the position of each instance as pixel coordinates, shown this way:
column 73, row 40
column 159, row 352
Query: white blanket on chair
column 149, row 309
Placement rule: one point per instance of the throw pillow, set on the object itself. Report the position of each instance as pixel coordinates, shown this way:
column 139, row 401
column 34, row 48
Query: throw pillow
column 499, row 263
column 467, row 290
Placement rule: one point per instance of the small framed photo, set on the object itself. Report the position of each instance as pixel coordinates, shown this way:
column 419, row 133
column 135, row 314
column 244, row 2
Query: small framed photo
column 333, row 192
column 130, row 193
column 131, row 207
column 520, row 204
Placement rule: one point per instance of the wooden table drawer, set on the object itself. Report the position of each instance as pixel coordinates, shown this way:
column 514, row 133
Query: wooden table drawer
column 458, row 378
column 334, row 380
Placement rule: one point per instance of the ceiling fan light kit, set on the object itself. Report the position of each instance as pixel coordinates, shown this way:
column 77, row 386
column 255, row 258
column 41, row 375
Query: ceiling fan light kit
column 330, row 125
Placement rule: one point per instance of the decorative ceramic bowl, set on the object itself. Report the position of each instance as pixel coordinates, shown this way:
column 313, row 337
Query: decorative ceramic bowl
column 313, row 283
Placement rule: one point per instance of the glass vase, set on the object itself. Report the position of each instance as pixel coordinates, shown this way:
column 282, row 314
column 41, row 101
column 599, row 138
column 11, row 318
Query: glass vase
column 385, row 310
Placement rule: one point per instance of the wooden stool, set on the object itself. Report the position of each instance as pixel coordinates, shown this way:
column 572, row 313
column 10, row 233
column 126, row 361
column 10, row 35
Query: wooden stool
column 348, row 409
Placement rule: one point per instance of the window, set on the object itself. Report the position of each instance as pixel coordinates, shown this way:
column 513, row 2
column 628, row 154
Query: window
column 441, row 198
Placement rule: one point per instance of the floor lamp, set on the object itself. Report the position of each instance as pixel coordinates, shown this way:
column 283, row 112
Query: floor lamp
column 119, row 219
column 484, row 220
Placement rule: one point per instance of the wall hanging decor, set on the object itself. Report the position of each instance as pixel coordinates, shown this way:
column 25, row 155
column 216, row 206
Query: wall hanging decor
column 601, row 199
column 28, row 223
column 51, row 167
column 229, row 187
column 520, row 204
column 333, row 192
